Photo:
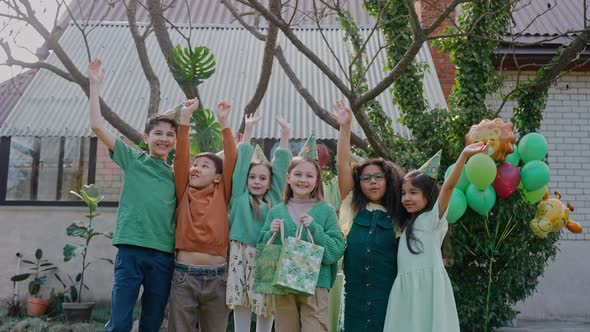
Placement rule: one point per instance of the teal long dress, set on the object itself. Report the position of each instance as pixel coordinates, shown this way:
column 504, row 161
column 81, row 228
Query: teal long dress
column 370, row 268
column 422, row 299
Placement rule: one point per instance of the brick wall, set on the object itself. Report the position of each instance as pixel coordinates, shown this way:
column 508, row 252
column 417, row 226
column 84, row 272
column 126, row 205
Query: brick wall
column 566, row 125
column 429, row 10
column 109, row 176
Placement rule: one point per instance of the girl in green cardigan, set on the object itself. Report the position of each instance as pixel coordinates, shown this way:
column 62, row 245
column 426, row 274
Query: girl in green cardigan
column 257, row 185
column 303, row 204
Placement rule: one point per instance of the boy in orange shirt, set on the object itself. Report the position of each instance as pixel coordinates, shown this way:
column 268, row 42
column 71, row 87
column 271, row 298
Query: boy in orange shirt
column 203, row 192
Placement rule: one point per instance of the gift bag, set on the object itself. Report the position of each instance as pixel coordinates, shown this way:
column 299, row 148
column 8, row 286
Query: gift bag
column 267, row 257
column 299, row 265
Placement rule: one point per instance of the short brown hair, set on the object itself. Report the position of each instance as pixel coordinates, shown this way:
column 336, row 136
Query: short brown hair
column 218, row 162
column 153, row 120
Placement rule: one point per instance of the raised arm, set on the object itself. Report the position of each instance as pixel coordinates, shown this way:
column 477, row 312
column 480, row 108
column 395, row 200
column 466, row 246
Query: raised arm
column 96, row 75
column 250, row 120
column 280, row 161
column 182, row 157
column 285, row 131
column 230, row 151
column 446, row 191
column 343, row 115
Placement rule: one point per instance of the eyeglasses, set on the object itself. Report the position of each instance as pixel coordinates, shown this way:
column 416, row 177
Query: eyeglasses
column 377, row 176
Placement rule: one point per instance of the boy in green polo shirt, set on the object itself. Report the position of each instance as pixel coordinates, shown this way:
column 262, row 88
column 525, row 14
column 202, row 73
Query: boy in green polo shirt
column 145, row 228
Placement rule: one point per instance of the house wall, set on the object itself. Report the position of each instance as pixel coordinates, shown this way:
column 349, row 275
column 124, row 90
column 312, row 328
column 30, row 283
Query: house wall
column 24, row 229
column 564, row 292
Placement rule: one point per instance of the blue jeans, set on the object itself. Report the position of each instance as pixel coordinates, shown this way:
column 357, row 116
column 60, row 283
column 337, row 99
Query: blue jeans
column 136, row 267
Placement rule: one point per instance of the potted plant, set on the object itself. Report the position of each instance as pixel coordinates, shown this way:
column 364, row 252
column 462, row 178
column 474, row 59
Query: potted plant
column 78, row 310
column 36, row 305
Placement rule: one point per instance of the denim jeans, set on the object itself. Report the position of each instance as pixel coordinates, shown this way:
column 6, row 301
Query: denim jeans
column 136, row 267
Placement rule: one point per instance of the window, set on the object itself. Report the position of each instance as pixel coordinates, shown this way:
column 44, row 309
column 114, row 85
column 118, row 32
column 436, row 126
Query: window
column 45, row 169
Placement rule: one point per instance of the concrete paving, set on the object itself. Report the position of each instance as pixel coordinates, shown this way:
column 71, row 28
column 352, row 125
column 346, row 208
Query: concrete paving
column 547, row 326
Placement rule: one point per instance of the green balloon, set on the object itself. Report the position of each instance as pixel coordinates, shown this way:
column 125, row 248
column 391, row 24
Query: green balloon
column 532, row 146
column 463, row 180
column 481, row 170
column 514, row 157
column 534, row 175
column 480, row 201
column 533, row 197
column 457, row 206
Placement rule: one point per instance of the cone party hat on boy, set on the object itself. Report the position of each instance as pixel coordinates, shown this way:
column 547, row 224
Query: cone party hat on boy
column 258, row 154
column 431, row 167
column 309, row 149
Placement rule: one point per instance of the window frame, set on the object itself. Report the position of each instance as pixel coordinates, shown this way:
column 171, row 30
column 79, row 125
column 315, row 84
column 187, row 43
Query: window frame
column 5, row 142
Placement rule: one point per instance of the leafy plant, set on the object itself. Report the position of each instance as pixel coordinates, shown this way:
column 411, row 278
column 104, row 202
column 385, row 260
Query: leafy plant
column 86, row 232
column 14, row 307
column 205, row 132
column 192, row 65
column 39, row 270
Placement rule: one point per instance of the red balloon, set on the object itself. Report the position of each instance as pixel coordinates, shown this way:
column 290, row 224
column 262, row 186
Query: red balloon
column 507, row 180
column 323, row 156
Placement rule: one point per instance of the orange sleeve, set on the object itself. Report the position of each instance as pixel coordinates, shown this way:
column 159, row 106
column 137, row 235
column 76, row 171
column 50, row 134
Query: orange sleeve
column 230, row 155
column 181, row 161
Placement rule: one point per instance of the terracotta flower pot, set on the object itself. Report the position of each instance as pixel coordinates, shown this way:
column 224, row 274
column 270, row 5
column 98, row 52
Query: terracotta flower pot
column 36, row 306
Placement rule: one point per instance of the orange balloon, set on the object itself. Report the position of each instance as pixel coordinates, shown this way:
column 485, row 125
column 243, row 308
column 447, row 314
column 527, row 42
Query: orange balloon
column 498, row 133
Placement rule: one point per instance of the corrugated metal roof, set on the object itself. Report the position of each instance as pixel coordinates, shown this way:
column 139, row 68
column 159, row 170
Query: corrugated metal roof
column 210, row 11
column 11, row 90
column 53, row 106
column 536, row 20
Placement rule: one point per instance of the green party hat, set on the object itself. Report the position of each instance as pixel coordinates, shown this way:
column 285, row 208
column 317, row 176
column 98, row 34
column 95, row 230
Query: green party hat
column 309, row 149
column 431, row 167
column 258, row 154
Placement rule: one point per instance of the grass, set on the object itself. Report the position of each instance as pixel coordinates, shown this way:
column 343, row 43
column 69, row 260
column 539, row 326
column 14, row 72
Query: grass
column 100, row 315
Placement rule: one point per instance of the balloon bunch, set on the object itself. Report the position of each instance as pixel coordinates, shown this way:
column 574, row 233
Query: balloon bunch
column 495, row 174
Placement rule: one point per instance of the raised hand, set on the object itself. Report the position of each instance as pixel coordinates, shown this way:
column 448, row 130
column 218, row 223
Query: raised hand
column 285, row 131
column 222, row 111
column 250, row 120
column 95, row 73
column 341, row 113
column 187, row 110
column 474, row 148
column 282, row 122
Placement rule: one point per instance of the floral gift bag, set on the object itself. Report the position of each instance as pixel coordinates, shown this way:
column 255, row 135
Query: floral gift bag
column 267, row 258
column 299, row 265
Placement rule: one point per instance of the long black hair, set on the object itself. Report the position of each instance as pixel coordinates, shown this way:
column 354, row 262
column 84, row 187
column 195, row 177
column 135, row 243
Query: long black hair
column 393, row 187
column 430, row 190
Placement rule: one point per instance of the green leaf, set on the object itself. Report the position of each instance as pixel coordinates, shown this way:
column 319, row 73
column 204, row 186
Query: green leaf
column 107, row 259
column 77, row 229
column 34, row 288
column 91, row 191
column 28, row 262
column 53, row 268
column 192, row 66
column 38, row 254
column 71, row 251
column 20, row 277
column 78, row 277
column 74, row 294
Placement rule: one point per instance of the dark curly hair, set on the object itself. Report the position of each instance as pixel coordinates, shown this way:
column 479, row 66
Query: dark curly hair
column 393, row 177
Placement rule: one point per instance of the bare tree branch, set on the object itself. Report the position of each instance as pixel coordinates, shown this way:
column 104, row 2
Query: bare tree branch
column 73, row 74
column 150, row 75
column 267, row 62
column 163, row 38
column 315, row 106
column 252, row 29
column 286, row 29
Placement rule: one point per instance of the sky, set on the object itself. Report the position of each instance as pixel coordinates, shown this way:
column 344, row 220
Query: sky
column 27, row 37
